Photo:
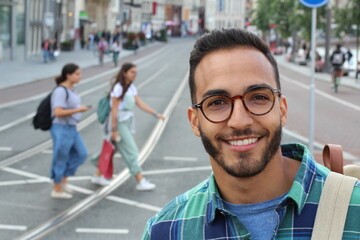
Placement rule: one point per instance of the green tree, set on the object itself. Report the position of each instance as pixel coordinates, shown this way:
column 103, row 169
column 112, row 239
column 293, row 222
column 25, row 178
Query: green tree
column 292, row 19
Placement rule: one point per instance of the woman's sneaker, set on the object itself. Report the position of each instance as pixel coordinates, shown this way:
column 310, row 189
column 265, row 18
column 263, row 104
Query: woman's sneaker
column 61, row 195
column 145, row 185
column 100, row 180
column 67, row 189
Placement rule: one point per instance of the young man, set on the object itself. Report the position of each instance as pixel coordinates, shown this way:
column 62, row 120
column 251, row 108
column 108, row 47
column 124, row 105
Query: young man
column 258, row 189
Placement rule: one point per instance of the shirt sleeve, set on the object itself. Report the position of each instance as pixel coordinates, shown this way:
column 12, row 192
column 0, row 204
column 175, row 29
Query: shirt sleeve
column 58, row 98
column 117, row 91
column 134, row 90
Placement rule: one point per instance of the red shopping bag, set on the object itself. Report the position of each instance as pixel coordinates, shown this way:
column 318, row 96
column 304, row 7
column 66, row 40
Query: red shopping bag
column 105, row 164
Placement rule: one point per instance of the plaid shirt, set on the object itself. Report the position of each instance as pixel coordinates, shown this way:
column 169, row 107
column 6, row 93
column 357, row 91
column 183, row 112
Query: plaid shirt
column 200, row 214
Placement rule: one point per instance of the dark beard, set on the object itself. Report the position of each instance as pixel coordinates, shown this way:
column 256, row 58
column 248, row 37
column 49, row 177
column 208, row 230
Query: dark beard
column 244, row 169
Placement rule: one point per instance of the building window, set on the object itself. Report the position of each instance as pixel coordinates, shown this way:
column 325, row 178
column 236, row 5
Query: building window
column 5, row 25
column 20, row 22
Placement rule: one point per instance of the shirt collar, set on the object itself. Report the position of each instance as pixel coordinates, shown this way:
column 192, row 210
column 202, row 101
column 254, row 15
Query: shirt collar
column 299, row 191
column 305, row 176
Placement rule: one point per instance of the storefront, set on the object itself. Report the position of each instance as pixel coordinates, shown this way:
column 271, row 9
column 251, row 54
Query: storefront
column 12, row 28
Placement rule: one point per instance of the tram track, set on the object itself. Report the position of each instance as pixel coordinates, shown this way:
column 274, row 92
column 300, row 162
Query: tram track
column 93, row 196
column 72, row 212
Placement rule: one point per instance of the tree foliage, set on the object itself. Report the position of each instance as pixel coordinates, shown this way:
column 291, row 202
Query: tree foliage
column 347, row 19
column 289, row 16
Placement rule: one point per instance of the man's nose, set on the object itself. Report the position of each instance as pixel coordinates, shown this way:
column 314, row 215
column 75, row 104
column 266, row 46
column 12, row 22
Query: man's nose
column 240, row 117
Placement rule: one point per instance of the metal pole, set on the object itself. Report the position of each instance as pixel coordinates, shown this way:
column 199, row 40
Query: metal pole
column 312, row 83
column 328, row 38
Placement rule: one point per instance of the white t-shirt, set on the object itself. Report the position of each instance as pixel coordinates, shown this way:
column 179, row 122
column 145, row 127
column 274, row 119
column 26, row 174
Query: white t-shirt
column 116, row 47
column 123, row 114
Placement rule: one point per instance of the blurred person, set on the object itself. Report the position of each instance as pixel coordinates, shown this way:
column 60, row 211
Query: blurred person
column 45, row 46
column 136, row 44
column 116, row 48
column 102, row 48
column 349, row 55
column 91, row 40
column 53, row 49
column 337, row 60
column 124, row 97
column 69, row 150
column 258, row 189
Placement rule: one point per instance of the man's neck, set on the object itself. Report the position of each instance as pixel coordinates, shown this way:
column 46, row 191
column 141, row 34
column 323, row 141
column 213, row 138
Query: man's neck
column 275, row 180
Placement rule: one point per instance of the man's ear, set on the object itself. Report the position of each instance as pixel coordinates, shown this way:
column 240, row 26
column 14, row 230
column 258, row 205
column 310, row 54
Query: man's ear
column 194, row 120
column 283, row 110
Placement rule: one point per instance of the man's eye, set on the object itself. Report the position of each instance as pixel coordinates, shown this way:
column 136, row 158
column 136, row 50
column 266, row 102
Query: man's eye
column 260, row 97
column 217, row 102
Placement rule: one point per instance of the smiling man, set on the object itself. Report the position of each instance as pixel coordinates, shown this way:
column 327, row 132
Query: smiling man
column 258, row 189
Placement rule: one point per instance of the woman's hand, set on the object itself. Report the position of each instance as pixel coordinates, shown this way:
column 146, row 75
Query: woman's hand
column 84, row 108
column 114, row 136
column 160, row 116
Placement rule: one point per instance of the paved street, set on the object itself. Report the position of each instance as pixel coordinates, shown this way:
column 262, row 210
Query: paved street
column 171, row 156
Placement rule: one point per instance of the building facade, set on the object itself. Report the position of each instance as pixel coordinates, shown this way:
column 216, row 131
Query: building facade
column 225, row 13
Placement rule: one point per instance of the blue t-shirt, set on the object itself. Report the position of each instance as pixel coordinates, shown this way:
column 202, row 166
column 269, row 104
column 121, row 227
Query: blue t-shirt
column 260, row 219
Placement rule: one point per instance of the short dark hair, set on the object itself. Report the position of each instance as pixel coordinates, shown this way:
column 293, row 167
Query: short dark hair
column 226, row 39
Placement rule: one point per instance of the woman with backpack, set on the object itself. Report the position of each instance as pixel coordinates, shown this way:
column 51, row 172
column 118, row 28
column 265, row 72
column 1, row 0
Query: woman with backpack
column 123, row 98
column 69, row 150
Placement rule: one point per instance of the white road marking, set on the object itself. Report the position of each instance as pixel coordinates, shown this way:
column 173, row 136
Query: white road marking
column 177, row 170
column 102, row 230
column 21, row 182
column 321, row 93
column 25, row 174
column 5, row 149
column 134, row 203
column 48, row 151
column 172, row 158
column 13, row 227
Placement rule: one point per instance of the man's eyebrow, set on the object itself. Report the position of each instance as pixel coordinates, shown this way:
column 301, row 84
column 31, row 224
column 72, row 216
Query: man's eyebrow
column 215, row 92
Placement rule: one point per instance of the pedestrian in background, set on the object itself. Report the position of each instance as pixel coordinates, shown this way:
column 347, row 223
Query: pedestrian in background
column 124, row 97
column 45, row 46
column 69, row 150
column 337, row 60
column 258, row 189
column 116, row 48
column 102, row 48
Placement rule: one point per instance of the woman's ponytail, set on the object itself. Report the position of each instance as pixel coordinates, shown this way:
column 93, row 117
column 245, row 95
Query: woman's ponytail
column 69, row 68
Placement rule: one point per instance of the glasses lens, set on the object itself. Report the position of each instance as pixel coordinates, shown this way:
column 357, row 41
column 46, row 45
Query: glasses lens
column 259, row 101
column 217, row 108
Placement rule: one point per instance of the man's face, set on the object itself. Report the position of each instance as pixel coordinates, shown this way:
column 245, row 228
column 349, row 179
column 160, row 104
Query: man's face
column 243, row 145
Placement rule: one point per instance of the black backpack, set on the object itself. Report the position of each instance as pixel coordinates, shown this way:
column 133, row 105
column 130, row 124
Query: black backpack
column 42, row 118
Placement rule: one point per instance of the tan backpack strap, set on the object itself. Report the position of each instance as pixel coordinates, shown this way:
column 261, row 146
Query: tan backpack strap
column 333, row 206
column 333, row 158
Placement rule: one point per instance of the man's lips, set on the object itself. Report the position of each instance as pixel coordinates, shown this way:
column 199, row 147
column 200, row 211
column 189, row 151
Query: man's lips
column 243, row 144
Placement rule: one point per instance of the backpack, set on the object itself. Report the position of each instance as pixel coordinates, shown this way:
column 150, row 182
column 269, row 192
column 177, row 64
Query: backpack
column 335, row 197
column 337, row 58
column 42, row 119
column 103, row 109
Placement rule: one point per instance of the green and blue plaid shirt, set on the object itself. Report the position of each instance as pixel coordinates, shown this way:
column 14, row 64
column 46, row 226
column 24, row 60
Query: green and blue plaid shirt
column 200, row 214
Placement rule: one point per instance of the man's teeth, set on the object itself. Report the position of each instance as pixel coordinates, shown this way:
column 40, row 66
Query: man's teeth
column 243, row 142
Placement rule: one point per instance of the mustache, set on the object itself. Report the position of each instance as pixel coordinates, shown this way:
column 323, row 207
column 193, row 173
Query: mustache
column 238, row 133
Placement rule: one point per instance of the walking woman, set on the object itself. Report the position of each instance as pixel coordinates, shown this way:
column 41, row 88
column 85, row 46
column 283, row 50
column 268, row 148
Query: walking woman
column 69, row 151
column 116, row 48
column 124, row 96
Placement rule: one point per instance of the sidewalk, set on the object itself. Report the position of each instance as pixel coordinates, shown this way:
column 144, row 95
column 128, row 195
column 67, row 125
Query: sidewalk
column 348, row 81
column 15, row 73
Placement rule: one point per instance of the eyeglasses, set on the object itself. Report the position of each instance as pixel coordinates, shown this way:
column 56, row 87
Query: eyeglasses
column 258, row 100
